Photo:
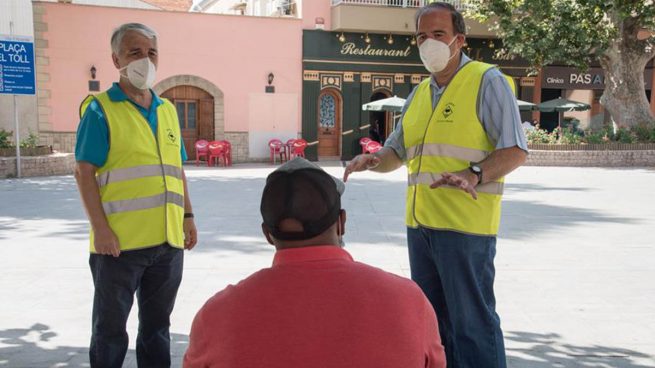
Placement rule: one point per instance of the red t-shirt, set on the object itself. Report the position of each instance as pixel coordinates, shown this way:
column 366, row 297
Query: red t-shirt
column 316, row 307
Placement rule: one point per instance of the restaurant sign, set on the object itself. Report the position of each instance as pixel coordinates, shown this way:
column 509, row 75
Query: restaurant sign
column 350, row 48
column 355, row 47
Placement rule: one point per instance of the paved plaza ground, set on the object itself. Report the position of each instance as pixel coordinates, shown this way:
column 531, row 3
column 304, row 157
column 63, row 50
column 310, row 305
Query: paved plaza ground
column 575, row 263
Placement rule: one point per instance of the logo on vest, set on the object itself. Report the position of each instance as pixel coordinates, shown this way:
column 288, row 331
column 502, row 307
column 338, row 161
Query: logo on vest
column 171, row 136
column 447, row 113
column 448, row 110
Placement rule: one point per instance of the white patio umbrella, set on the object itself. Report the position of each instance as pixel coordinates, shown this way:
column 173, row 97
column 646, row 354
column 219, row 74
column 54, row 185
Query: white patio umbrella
column 394, row 104
column 526, row 106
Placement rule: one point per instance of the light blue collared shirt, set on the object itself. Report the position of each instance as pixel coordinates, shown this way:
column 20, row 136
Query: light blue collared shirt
column 93, row 133
column 498, row 112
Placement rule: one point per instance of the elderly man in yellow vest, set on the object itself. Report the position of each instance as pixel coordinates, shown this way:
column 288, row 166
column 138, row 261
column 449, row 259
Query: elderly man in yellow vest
column 460, row 134
column 129, row 173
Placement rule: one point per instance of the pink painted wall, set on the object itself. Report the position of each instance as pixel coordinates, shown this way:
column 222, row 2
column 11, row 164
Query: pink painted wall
column 235, row 53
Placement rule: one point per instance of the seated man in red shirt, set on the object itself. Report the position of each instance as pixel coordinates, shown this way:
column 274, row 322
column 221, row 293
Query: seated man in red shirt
column 315, row 307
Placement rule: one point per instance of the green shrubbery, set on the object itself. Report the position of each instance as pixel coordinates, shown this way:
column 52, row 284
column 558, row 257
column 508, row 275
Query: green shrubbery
column 571, row 134
column 32, row 140
column 4, row 139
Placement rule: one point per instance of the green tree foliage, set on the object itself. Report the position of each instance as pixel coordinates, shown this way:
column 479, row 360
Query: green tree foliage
column 620, row 34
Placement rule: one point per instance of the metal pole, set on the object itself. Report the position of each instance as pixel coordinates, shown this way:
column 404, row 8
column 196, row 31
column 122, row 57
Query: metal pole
column 17, row 130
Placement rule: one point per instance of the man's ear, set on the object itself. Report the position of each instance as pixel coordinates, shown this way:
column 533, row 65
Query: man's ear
column 461, row 40
column 114, row 58
column 267, row 234
column 341, row 229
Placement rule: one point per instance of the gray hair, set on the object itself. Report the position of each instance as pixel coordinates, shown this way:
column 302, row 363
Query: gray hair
column 119, row 33
column 458, row 20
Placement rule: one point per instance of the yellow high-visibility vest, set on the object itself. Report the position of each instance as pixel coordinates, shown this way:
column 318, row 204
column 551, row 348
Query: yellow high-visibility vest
column 141, row 185
column 448, row 139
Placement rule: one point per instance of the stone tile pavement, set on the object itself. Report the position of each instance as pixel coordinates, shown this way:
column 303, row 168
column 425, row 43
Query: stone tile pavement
column 575, row 263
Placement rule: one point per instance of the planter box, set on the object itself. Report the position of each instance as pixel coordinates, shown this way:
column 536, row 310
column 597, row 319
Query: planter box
column 54, row 164
column 591, row 158
column 593, row 147
column 31, row 151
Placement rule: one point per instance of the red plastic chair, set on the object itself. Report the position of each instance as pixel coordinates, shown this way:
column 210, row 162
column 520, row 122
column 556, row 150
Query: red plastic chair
column 202, row 150
column 373, row 146
column 362, row 142
column 228, row 152
column 298, row 148
column 277, row 148
column 289, row 146
column 216, row 152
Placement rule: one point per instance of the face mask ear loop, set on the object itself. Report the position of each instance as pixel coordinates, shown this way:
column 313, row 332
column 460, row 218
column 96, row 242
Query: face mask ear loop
column 452, row 53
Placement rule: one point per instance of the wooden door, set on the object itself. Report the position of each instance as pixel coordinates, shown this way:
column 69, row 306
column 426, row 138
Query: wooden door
column 187, row 114
column 329, row 123
column 206, row 119
column 195, row 111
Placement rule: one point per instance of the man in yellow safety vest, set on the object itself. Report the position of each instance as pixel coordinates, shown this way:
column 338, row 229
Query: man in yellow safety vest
column 459, row 135
column 129, row 173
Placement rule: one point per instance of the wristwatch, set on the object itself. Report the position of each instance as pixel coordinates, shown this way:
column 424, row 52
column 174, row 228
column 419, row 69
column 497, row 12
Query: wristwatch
column 477, row 170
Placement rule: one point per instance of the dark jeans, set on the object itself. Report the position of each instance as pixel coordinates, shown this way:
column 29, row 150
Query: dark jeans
column 456, row 272
column 155, row 275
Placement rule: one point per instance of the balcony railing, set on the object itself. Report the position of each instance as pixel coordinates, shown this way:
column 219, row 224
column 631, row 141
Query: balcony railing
column 459, row 4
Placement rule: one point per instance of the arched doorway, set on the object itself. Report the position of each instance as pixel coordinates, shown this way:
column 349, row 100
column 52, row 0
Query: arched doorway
column 381, row 121
column 195, row 111
column 329, row 123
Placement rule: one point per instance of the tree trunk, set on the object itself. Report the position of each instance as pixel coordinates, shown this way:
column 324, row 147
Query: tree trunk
column 624, row 63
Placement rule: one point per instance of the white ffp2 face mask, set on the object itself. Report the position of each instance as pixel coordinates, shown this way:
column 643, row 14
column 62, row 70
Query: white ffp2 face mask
column 141, row 73
column 435, row 54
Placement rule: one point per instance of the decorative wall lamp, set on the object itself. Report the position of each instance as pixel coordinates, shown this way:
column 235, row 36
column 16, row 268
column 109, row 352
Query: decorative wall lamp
column 94, row 85
column 491, row 44
column 319, row 23
column 270, row 88
column 413, row 40
column 342, row 37
column 367, row 39
column 390, row 39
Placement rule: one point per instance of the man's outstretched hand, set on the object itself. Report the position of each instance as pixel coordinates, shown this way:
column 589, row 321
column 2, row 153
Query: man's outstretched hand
column 460, row 180
column 361, row 163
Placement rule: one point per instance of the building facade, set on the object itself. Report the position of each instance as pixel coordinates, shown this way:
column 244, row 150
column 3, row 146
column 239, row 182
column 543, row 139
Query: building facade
column 213, row 67
column 290, row 69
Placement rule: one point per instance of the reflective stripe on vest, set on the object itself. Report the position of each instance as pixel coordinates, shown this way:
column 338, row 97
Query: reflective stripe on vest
column 129, row 173
column 141, row 187
column 144, row 203
column 435, row 149
column 447, row 139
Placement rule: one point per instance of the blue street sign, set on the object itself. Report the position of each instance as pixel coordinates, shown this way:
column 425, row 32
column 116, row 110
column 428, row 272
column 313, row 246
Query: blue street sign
column 16, row 66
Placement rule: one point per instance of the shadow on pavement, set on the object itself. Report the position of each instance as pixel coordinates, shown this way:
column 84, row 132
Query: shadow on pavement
column 227, row 211
column 28, row 348
column 522, row 219
column 548, row 351
column 513, row 187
